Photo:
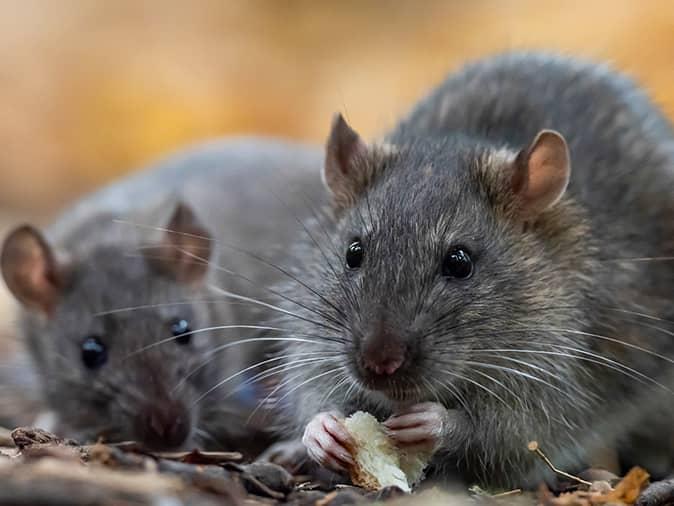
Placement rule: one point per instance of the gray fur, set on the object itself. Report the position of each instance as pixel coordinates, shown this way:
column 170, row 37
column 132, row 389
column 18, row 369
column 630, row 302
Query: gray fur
column 250, row 194
column 548, row 289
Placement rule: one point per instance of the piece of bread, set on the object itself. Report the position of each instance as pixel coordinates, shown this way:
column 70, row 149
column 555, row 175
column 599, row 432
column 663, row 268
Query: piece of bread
column 378, row 463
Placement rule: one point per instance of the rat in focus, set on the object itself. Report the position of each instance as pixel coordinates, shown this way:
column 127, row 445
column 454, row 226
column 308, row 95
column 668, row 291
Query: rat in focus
column 498, row 271
column 123, row 296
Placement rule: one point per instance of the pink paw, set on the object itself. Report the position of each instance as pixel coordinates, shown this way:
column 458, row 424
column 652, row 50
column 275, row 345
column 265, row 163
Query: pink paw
column 326, row 440
column 422, row 426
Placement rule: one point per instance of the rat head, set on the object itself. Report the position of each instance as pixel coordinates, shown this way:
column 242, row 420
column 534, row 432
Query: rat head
column 111, row 331
column 449, row 252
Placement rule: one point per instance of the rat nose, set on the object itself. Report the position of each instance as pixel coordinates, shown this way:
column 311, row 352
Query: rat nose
column 383, row 354
column 163, row 425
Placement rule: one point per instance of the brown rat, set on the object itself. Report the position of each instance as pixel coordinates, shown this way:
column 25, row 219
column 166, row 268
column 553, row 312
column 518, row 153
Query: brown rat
column 118, row 295
column 499, row 270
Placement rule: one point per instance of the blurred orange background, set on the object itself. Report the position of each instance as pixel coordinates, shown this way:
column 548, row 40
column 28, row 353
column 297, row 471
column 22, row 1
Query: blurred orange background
column 90, row 89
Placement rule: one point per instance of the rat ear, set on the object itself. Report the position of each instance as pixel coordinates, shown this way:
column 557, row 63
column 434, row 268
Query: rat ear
column 30, row 270
column 184, row 249
column 344, row 171
column 541, row 173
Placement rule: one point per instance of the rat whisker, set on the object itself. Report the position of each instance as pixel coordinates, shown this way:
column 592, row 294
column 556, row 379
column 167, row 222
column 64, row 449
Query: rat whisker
column 476, row 383
column 277, row 369
column 456, row 394
column 269, row 399
column 516, row 396
column 288, row 366
column 339, row 383
column 353, row 385
column 259, row 259
column 432, row 390
column 521, row 374
column 225, row 346
column 167, row 304
column 637, row 259
column 642, row 315
column 315, row 243
column 572, row 332
column 313, row 378
column 204, row 434
column 331, row 342
column 272, row 307
column 594, row 358
column 531, row 366
column 242, row 371
column 602, row 337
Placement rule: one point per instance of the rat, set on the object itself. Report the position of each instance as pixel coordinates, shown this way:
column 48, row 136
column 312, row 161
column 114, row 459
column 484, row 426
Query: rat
column 498, row 271
column 124, row 305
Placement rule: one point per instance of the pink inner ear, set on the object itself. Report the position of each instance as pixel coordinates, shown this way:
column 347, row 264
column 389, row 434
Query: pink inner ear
column 341, row 171
column 548, row 171
column 30, row 270
column 185, row 249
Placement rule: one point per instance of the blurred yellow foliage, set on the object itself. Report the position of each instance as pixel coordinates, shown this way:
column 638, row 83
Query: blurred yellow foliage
column 90, row 89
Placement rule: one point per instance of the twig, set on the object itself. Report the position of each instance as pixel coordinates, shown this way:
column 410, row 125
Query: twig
column 533, row 447
column 507, row 494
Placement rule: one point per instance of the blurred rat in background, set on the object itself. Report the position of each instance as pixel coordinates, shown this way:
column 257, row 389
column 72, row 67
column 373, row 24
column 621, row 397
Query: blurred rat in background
column 132, row 304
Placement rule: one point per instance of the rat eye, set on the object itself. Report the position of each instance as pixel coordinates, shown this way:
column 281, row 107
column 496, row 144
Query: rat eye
column 180, row 328
column 94, row 352
column 457, row 263
column 354, row 254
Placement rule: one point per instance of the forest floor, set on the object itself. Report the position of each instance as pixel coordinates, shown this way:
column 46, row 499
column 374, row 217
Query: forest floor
column 38, row 468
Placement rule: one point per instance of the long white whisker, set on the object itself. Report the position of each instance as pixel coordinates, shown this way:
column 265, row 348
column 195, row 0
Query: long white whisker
column 163, row 304
column 228, row 345
column 243, row 371
column 610, row 339
column 232, row 376
column 236, row 296
column 477, row 384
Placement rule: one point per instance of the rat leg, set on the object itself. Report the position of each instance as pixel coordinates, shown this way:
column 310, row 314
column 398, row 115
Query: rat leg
column 426, row 426
column 290, row 454
column 327, row 440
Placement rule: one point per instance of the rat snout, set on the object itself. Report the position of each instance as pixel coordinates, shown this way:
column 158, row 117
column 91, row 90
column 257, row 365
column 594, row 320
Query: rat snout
column 163, row 425
column 383, row 353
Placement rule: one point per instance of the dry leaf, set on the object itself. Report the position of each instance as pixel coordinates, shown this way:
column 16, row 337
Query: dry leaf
column 627, row 490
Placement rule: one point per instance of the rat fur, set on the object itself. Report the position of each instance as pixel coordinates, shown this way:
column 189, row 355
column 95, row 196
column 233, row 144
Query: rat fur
column 127, row 262
column 557, row 176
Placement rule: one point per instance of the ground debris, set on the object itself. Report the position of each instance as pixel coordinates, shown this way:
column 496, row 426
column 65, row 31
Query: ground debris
column 40, row 468
column 28, row 436
column 625, row 493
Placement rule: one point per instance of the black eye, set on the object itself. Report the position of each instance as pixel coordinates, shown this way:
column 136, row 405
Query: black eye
column 457, row 263
column 180, row 328
column 354, row 254
column 94, row 352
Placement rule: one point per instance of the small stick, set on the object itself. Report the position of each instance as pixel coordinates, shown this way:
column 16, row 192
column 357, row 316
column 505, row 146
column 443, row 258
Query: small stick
column 533, row 447
column 508, row 493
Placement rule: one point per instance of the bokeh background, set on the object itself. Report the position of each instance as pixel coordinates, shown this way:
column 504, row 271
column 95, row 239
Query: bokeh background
column 91, row 89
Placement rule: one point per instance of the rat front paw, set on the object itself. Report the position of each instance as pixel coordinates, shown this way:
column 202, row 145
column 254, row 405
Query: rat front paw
column 422, row 426
column 327, row 440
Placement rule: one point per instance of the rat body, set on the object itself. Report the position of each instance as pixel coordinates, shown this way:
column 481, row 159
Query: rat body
column 499, row 271
column 122, row 297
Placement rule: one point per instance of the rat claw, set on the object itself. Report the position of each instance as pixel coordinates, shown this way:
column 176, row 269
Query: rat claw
column 337, row 430
column 423, row 424
column 324, row 438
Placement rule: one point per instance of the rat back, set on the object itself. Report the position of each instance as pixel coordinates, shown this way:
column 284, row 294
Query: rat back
column 622, row 160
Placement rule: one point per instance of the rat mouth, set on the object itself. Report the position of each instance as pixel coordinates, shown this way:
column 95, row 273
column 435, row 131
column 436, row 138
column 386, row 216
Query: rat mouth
column 396, row 387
